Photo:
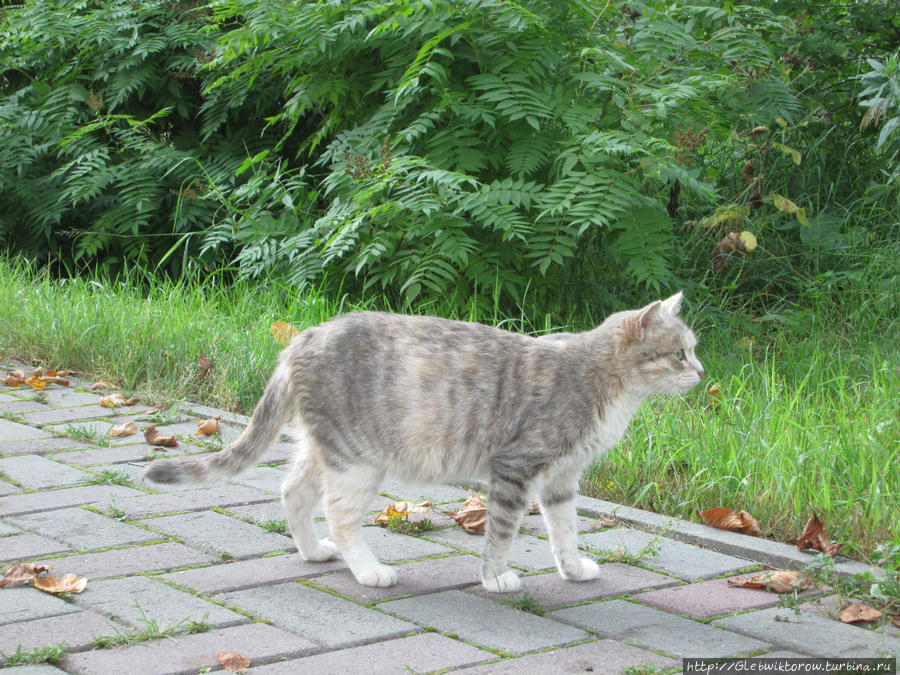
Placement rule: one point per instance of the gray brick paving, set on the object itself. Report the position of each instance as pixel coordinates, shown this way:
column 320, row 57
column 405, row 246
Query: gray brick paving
column 376, row 630
column 136, row 600
column 417, row 654
column 24, row 603
column 417, row 578
column 48, row 500
column 142, row 504
column 812, row 635
column 204, row 412
column 61, row 415
column 191, row 653
column 552, row 591
column 76, row 629
column 34, row 472
column 605, row 657
column 220, row 534
column 13, row 431
column 674, row 557
column 318, row 616
column 33, row 669
column 657, row 630
column 21, row 547
column 235, row 576
column 82, row 529
column 527, row 552
column 131, row 560
column 484, row 622
column 101, row 428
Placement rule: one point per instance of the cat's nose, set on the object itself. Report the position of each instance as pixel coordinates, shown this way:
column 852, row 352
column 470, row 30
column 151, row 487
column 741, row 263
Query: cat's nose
column 700, row 373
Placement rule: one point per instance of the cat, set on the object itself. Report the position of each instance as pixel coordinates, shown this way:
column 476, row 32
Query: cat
column 426, row 399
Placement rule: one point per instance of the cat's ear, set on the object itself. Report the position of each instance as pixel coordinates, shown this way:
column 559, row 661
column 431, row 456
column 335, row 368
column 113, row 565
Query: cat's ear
column 641, row 319
column 673, row 305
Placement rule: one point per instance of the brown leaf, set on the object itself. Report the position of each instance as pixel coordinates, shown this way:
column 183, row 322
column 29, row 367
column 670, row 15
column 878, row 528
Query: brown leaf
column 67, row 584
column 115, row 400
column 776, row 581
column 756, row 198
column 472, row 517
column 124, row 429
column 747, row 171
column 283, row 331
column 55, row 379
column 204, row 365
column 233, row 662
column 741, row 242
column 815, row 536
column 100, row 386
column 21, row 573
column 13, row 378
column 859, row 611
column 728, row 519
column 153, row 436
column 400, row 510
column 208, row 427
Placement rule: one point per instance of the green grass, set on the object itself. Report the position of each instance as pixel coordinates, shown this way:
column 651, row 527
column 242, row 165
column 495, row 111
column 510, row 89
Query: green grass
column 806, row 421
column 150, row 631
column 48, row 654
column 110, row 477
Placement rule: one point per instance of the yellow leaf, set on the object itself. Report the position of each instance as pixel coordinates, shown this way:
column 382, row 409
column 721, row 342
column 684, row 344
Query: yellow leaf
column 749, row 241
column 795, row 154
column 208, row 427
column 37, row 384
column 784, row 204
column 67, row 584
column 283, row 331
column 400, row 510
column 781, row 121
column 801, row 216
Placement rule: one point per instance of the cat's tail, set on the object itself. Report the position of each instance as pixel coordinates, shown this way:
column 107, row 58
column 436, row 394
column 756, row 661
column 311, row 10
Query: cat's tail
column 270, row 415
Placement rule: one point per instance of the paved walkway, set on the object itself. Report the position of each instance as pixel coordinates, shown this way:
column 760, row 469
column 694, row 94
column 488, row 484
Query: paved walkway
column 199, row 565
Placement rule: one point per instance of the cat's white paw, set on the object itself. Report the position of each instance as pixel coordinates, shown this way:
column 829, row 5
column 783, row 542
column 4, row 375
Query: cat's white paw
column 381, row 575
column 588, row 569
column 507, row 582
column 326, row 550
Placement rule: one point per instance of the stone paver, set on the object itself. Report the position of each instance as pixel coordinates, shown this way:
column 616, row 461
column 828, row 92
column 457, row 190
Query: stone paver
column 682, row 560
column 552, row 591
column 13, row 431
column 21, row 547
column 812, row 635
column 35, row 472
column 657, row 630
column 318, row 616
column 76, row 629
column 603, row 656
column 417, row 578
column 484, row 622
column 711, row 598
column 323, row 621
column 24, row 603
column 527, row 552
column 235, row 576
column 82, row 529
column 417, row 654
column 199, row 499
column 191, row 653
column 220, row 534
column 136, row 600
column 49, row 500
column 131, row 560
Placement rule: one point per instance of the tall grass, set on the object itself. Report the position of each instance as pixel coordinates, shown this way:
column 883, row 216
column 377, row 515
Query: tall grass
column 806, row 419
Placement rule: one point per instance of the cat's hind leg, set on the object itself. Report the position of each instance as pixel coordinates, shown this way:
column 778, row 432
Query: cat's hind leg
column 348, row 495
column 505, row 507
column 557, row 502
column 301, row 493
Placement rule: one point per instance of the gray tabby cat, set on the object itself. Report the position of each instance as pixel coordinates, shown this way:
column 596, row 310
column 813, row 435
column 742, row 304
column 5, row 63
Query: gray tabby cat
column 428, row 400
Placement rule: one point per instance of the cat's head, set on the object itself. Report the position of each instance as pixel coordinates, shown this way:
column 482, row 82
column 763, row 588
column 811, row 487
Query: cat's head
column 656, row 348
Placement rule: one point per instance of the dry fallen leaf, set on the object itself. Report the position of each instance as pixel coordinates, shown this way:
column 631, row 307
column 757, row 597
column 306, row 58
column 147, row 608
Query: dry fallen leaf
column 815, row 536
column 115, row 400
column 67, row 584
column 36, row 383
column 154, row 437
column 204, row 365
column 472, row 516
column 728, row 519
column 13, row 378
column 124, row 429
column 101, row 386
column 859, row 611
column 54, row 379
column 400, row 510
column 283, row 331
column 21, row 573
column 233, row 662
column 776, row 581
column 208, row 427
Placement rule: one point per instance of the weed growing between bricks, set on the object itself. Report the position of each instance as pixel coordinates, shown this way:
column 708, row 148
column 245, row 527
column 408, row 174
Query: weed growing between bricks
column 49, row 654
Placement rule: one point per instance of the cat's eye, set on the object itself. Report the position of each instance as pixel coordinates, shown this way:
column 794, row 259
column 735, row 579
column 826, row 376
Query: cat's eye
column 679, row 354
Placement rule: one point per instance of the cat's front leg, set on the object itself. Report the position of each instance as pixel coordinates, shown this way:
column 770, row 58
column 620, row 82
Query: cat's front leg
column 558, row 508
column 505, row 506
